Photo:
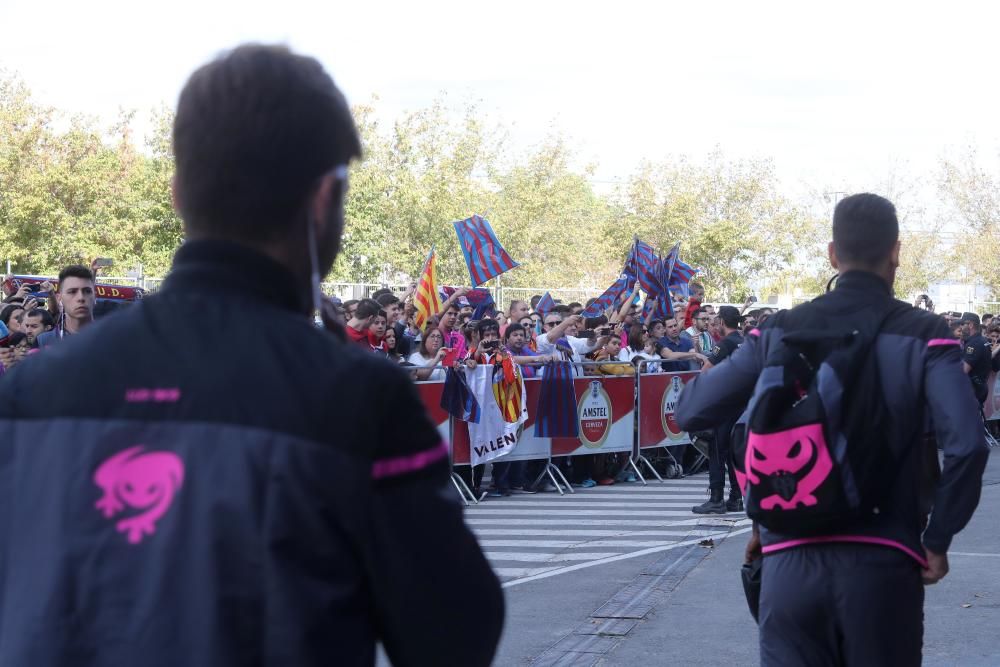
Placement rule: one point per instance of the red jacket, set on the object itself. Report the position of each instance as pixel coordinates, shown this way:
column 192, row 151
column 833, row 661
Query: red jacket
column 692, row 308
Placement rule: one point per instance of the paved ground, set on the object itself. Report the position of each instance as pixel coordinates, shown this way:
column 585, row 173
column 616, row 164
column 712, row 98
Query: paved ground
column 681, row 603
column 622, row 575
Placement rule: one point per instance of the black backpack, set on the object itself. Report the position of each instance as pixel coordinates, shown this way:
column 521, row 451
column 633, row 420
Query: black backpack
column 812, row 451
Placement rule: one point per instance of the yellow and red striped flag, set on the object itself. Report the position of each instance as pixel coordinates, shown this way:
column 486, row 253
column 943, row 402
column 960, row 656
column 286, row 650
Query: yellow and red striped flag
column 426, row 300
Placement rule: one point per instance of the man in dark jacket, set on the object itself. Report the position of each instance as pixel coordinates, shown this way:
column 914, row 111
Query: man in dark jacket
column 854, row 596
column 208, row 478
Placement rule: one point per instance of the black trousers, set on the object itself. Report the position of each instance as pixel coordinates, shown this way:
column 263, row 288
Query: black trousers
column 720, row 460
column 841, row 604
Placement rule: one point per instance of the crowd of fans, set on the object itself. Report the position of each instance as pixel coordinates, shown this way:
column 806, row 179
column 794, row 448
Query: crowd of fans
column 620, row 342
column 37, row 315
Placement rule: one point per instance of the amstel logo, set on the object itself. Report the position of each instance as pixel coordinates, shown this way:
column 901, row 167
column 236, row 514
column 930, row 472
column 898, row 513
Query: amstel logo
column 595, row 416
column 669, row 405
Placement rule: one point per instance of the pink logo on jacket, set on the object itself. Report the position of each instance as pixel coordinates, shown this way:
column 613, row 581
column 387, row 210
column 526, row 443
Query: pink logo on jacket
column 140, row 481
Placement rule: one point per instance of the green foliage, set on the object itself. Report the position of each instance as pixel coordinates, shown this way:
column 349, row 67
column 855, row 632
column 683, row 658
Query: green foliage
column 73, row 191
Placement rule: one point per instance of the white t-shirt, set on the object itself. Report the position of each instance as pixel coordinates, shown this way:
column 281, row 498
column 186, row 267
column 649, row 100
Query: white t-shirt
column 420, row 361
column 649, row 368
column 580, row 347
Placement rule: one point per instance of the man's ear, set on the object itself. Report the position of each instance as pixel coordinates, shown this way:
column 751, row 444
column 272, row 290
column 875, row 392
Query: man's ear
column 833, row 256
column 894, row 255
column 330, row 188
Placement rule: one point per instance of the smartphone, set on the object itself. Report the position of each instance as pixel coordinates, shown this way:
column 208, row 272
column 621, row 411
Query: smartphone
column 491, row 345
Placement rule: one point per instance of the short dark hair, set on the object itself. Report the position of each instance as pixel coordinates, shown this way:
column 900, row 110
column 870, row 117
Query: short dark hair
column 8, row 312
column 560, row 308
column 865, row 229
column 75, row 271
column 512, row 329
column 575, row 304
column 47, row 320
column 451, row 306
column 635, row 336
column 379, row 292
column 386, row 299
column 367, row 308
column 255, row 130
column 534, row 301
column 487, row 324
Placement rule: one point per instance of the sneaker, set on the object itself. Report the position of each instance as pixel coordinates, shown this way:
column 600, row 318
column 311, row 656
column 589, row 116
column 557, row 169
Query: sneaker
column 734, row 505
column 605, row 481
column 520, row 489
column 494, row 493
column 631, row 477
column 588, row 484
column 544, row 487
column 481, row 495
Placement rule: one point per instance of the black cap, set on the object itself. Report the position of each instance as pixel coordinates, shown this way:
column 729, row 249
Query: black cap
column 970, row 317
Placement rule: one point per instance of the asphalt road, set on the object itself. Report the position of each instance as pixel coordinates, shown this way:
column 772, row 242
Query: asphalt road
column 678, row 602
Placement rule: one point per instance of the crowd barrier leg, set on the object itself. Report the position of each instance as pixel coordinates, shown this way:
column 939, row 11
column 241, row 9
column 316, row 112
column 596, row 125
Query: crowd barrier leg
column 548, row 470
column 463, row 489
column 645, row 461
column 990, row 440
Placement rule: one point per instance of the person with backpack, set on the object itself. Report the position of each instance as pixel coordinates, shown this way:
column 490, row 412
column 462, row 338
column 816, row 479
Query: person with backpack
column 840, row 395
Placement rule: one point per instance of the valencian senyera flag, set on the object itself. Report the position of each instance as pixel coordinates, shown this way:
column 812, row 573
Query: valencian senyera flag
column 499, row 388
column 484, row 255
column 426, row 300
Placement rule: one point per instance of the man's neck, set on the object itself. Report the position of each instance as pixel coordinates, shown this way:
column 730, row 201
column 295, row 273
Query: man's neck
column 73, row 325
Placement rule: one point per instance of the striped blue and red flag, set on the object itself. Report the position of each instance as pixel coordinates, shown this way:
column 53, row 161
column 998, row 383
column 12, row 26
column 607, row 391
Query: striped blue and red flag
column 557, row 415
column 457, row 398
column 612, row 296
column 484, row 255
column 682, row 273
column 545, row 304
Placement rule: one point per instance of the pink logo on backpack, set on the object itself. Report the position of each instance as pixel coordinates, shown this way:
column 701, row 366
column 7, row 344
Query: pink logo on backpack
column 141, row 481
column 795, row 463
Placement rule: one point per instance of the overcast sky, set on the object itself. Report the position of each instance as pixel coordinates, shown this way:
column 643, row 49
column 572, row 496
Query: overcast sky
column 838, row 94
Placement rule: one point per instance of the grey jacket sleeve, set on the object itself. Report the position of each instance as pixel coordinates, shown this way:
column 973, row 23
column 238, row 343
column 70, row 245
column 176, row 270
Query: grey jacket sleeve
column 720, row 394
column 959, row 429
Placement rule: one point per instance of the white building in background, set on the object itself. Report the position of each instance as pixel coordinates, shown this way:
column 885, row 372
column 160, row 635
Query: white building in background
column 954, row 295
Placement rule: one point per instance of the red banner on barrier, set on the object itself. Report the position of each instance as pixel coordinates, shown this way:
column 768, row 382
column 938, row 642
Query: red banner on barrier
column 430, row 396
column 606, row 414
column 606, row 407
column 658, row 394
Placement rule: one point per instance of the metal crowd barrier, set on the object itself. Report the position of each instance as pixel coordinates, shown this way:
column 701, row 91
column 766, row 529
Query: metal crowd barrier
column 631, row 414
column 610, row 422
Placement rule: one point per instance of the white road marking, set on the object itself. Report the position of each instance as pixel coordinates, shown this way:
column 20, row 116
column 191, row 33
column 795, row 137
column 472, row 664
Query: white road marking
column 535, row 557
column 524, row 579
column 652, row 523
column 545, row 532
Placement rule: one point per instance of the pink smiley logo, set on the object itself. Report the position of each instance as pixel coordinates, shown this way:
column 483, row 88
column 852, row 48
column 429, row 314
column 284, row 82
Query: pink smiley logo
column 140, row 481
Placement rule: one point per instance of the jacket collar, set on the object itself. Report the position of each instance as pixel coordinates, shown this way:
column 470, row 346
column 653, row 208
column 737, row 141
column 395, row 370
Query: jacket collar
column 863, row 281
column 214, row 266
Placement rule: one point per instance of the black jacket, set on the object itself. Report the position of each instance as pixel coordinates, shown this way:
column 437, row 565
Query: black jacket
column 208, row 479
column 925, row 390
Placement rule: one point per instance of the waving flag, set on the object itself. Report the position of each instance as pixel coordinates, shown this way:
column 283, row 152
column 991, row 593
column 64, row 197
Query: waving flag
column 457, row 398
column 426, row 300
column 545, row 304
column 682, row 273
column 484, row 255
column 611, row 296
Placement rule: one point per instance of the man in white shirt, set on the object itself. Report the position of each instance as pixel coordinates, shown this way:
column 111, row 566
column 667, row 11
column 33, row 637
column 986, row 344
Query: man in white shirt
column 560, row 335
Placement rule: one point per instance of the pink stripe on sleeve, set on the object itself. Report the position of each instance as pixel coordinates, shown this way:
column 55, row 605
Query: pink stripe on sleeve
column 935, row 342
column 755, row 332
column 400, row 465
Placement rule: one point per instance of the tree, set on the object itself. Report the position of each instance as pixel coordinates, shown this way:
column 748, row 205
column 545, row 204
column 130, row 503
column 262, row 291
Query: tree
column 972, row 189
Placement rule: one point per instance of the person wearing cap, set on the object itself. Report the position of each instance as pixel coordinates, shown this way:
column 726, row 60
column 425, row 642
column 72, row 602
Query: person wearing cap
column 977, row 357
column 719, row 460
